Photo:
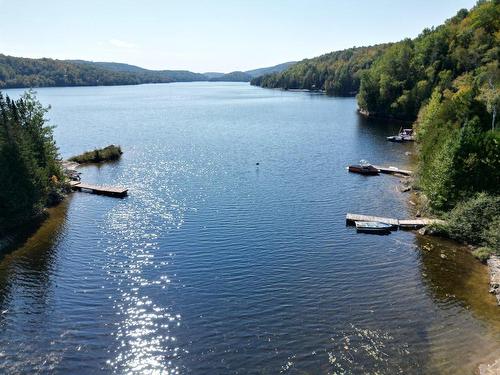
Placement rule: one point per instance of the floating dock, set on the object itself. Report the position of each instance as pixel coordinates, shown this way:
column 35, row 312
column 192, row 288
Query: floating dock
column 352, row 218
column 418, row 223
column 396, row 223
column 101, row 190
column 393, row 170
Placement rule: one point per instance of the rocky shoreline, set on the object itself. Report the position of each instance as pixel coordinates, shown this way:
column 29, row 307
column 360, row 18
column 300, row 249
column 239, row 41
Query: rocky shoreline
column 494, row 266
column 490, row 369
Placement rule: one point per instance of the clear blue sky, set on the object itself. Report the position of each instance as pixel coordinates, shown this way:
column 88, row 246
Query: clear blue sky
column 217, row 35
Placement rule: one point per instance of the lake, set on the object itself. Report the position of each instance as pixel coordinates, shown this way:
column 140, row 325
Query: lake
column 216, row 265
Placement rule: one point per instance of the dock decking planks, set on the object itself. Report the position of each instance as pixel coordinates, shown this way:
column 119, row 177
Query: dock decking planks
column 418, row 223
column 393, row 170
column 102, row 190
column 403, row 223
column 352, row 218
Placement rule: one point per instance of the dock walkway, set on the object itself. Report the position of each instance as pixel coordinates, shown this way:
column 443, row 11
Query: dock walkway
column 393, row 170
column 96, row 189
column 396, row 223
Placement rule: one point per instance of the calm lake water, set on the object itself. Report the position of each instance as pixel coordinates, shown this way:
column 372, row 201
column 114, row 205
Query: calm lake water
column 214, row 265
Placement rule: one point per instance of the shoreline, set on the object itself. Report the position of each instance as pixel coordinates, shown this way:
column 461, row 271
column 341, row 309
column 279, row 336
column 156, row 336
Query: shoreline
column 415, row 202
column 494, row 268
column 24, row 230
column 366, row 114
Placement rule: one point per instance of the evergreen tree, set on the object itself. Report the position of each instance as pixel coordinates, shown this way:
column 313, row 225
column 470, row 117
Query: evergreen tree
column 30, row 171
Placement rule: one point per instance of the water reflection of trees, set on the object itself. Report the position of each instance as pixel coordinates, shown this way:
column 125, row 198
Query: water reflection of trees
column 27, row 265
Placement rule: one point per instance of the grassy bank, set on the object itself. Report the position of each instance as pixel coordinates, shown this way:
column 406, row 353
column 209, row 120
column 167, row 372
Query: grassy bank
column 108, row 153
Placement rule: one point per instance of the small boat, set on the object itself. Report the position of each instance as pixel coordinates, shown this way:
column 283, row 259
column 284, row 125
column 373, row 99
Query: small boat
column 364, row 168
column 373, row 227
column 395, row 138
column 405, row 135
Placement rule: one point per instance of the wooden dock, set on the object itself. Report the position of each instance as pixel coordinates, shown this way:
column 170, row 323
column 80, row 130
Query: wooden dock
column 352, row 218
column 418, row 223
column 393, row 170
column 396, row 223
column 101, row 190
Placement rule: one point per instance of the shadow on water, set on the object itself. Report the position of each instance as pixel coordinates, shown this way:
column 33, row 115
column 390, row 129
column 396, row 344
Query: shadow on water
column 32, row 254
column 379, row 127
column 375, row 132
column 111, row 163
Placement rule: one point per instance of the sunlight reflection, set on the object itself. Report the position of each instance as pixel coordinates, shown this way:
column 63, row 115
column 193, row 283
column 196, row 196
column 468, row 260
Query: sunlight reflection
column 146, row 343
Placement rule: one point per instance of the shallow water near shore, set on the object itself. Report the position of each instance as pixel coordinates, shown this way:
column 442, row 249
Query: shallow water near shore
column 216, row 265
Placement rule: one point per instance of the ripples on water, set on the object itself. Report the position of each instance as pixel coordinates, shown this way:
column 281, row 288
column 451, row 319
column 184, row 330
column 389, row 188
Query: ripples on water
column 132, row 234
column 216, row 265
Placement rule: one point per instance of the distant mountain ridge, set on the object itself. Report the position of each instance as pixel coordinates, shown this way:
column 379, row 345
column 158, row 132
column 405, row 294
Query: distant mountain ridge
column 236, row 76
column 247, row 76
column 18, row 72
column 146, row 74
column 211, row 75
column 270, row 70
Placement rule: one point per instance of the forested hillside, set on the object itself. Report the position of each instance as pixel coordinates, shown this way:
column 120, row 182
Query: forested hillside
column 446, row 81
column 271, row 69
column 147, row 75
column 337, row 73
column 409, row 71
column 16, row 72
column 24, row 72
column 453, row 89
column 233, row 77
column 247, row 76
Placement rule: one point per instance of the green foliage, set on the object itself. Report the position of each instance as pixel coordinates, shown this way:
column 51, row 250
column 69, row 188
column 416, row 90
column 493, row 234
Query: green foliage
column 29, row 169
column 407, row 73
column 270, row 69
column 459, row 155
column 337, row 73
column 483, row 253
column 492, row 235
column 476, row 220
column 455, row 127
column 107, row 153
column 24, row 72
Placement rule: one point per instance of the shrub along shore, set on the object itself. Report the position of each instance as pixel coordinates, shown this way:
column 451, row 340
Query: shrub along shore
column 108, row 153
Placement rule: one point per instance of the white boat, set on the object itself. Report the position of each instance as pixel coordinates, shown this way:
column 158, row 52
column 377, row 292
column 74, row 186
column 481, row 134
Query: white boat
column 405, row 135
column 373, row 227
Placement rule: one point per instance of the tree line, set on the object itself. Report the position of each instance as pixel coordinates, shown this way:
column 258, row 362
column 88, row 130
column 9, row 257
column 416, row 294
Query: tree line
column 16, row 72
column 336, row 73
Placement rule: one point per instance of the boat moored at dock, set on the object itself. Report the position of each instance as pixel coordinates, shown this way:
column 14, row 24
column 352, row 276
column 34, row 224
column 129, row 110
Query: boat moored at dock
column 373, row 227
column 405, row 135
column 364, row 168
